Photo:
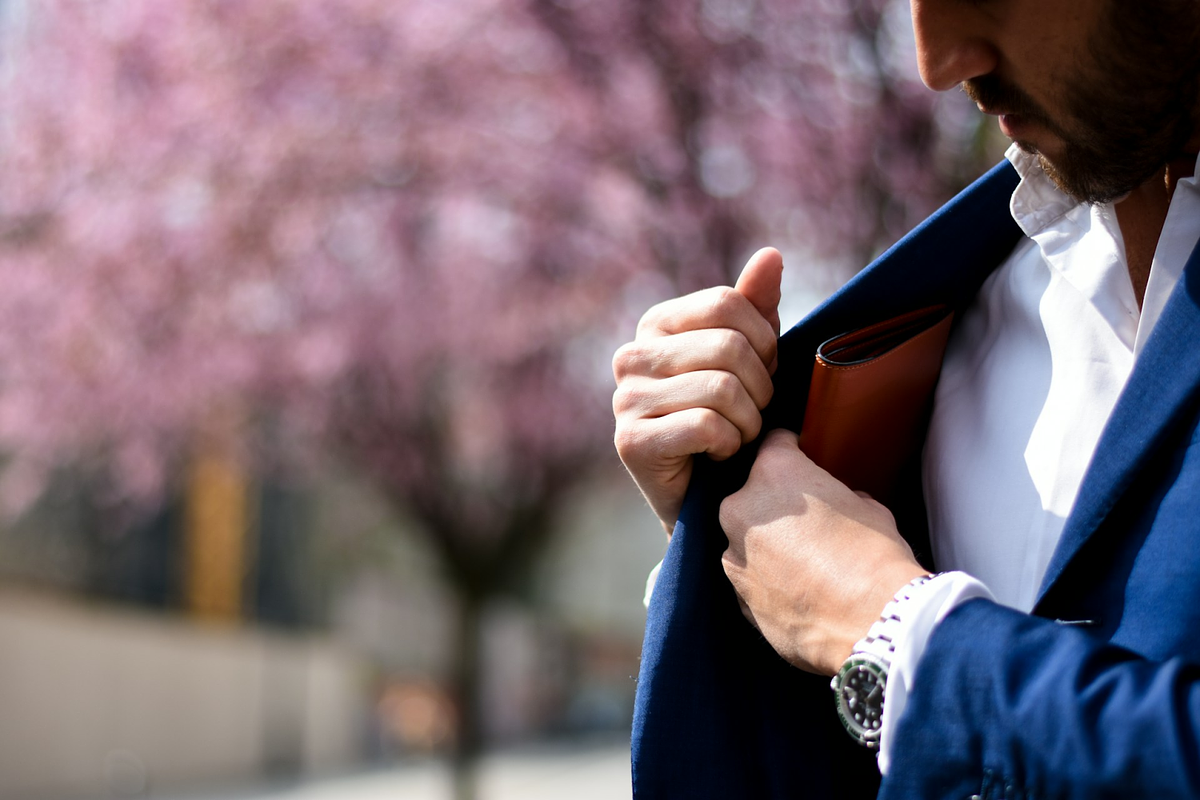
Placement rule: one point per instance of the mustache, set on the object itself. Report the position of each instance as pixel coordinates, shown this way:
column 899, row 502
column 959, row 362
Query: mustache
column 997, row 95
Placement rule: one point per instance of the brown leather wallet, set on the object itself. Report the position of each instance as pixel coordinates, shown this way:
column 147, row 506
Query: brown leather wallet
column 869, row 399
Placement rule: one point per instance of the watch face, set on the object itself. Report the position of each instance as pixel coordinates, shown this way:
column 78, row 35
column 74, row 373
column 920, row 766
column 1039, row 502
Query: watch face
column 859, row 686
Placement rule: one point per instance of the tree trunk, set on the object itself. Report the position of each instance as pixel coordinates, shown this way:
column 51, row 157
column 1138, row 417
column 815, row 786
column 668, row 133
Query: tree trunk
column 466, row 673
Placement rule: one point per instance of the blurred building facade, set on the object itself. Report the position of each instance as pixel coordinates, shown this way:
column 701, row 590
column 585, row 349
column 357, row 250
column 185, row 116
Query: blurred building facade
column 108, row 701
column 115, row 683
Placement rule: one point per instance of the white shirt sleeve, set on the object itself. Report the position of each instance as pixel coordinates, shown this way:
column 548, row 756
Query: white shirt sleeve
column 651, row 580
column 927, row 605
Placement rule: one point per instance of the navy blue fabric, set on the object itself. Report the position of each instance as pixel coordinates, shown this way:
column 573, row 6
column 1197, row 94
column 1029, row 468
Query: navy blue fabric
column 1109, row 709
column 719, row 714
column 1094, row 695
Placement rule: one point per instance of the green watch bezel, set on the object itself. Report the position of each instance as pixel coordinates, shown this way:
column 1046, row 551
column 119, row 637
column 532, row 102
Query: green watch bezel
column 855, row 724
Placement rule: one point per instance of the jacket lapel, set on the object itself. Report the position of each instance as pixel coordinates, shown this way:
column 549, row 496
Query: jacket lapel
column 1161, row 390
column 692, row 735
column 944, row 260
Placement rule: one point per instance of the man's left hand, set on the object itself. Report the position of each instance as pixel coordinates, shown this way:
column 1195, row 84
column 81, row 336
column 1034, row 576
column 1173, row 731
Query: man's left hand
column 813, row 563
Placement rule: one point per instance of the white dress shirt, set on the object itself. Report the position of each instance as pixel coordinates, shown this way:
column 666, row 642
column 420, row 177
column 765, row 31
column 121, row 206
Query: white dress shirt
column 1031, row 375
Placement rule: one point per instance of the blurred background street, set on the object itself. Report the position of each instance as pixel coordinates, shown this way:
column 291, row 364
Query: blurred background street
column 107, row 700
column 586, row 771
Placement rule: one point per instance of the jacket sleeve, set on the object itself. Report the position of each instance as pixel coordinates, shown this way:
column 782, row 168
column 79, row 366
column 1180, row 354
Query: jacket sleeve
column 1008, row 705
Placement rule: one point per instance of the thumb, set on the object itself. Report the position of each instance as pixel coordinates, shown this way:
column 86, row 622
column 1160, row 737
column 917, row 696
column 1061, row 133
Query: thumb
column 759, row 283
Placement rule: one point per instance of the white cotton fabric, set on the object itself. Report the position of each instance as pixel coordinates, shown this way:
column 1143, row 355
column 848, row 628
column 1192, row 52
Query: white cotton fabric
column 925, row 608
column 651, row 580
column 1031, row 375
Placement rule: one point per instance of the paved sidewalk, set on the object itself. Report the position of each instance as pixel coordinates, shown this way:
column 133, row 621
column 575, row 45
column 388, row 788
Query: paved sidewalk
column 547, row 773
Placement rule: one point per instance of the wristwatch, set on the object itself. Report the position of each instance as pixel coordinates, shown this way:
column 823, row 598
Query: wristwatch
column 860, row 685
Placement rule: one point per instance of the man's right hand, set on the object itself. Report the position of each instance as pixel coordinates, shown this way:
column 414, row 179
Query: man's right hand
column 695, row 380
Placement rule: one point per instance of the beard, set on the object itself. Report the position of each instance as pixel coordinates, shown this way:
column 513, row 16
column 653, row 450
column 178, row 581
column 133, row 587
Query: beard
column 1129, row 112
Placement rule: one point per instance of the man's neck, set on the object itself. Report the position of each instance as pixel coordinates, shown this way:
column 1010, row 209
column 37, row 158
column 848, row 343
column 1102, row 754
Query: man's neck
column 1141, row 215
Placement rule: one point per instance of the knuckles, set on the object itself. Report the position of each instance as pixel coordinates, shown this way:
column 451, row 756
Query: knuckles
column 723, row 389
column 724, row 302
column 629, row 441
column 730, row 516
column 732, row 347
column 726, row 517
column 638, row 365
column 714, row 307
column 696, row 430
column 714, row 434
column 626, row 398
column 733, row 565
column 628, row 360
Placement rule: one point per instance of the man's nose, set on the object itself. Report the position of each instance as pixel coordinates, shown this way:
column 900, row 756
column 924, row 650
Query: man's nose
column 952, row 43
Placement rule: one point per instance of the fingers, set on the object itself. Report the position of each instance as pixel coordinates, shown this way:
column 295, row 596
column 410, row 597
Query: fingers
column 782, row 467
column 721, row 307
column 721, row 393
column 695, row 380
column 663, row 439
column 760, row 284
column 720, row 349
column 658, row 452
column 697, row 391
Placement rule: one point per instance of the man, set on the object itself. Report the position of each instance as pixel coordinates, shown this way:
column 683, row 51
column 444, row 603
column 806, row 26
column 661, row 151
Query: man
column 1056, row 655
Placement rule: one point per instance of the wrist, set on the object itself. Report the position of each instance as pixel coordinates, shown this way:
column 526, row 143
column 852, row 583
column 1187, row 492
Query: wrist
column 892, row 580
column 860, row 685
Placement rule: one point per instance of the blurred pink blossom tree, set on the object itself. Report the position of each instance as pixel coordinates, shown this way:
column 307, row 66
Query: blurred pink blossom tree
column 407, row 233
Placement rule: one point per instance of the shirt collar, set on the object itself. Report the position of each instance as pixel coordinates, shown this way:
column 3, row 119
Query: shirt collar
column 1080, row 243
column 1036, row 202
column 1084, row 244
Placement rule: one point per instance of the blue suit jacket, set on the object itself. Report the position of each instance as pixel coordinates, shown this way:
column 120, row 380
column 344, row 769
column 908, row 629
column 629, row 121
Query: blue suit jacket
column 1096, row 694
